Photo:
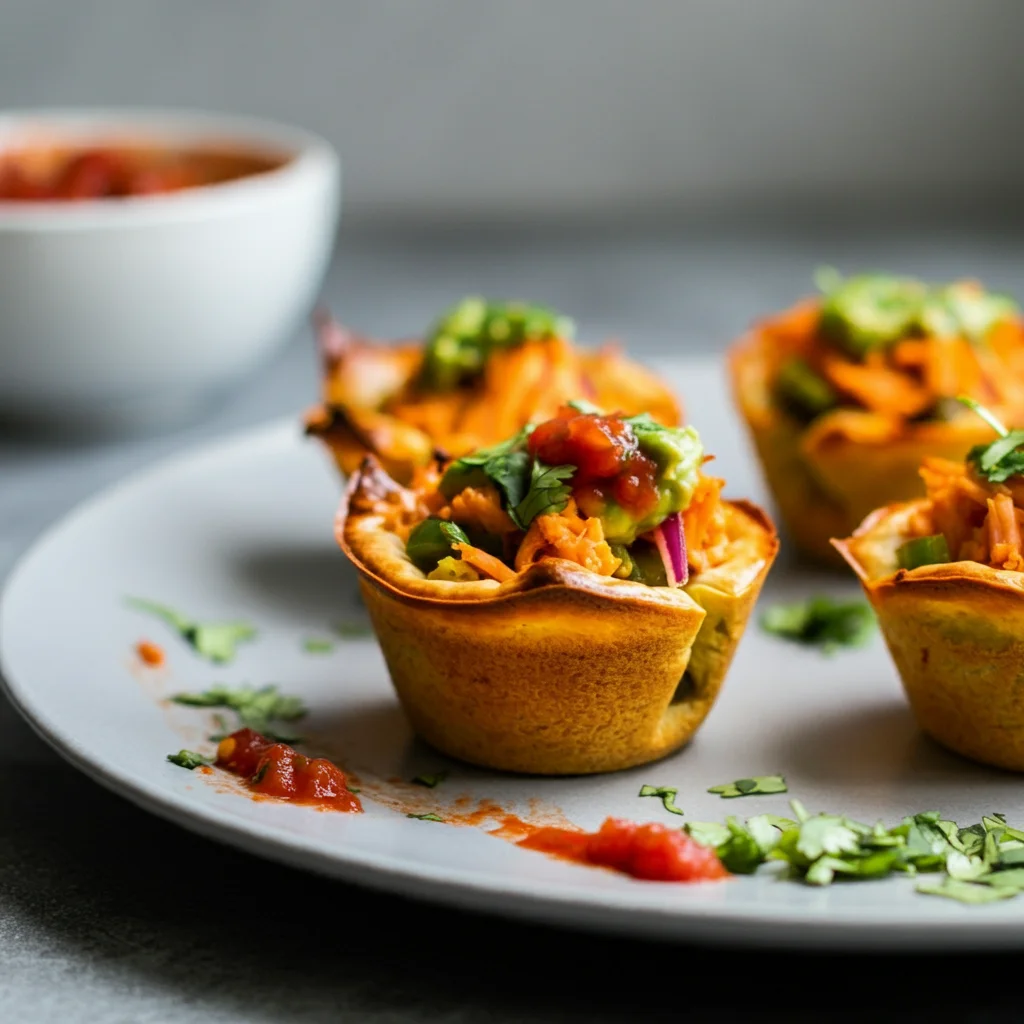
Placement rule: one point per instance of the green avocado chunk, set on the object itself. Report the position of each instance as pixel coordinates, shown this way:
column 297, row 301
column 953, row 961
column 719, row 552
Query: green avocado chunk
column 461, row 341
column 803, row 392
column 432, row 540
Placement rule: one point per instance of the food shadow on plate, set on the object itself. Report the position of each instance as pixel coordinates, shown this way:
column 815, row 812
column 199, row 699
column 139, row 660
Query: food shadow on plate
column 877, row 743
column 311, row 579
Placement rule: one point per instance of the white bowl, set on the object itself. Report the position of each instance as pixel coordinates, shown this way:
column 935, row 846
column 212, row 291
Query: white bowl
column 135, row 310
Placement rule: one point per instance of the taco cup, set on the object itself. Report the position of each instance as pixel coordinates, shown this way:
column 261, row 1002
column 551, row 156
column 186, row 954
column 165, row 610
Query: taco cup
column 482, row 372
column 846, row 394
column 550, row 617
column 945, row 575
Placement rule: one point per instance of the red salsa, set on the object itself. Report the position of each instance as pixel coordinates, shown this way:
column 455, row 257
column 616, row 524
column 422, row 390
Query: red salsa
column 651, row 852
column 605, row 452
column 276, row 769
column 46, row 174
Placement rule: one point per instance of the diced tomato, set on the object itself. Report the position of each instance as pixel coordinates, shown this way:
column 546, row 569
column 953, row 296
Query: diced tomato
column 604, row 451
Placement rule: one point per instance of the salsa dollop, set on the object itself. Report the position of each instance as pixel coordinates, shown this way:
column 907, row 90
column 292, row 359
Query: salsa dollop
column 275, row 769
column 651, row 852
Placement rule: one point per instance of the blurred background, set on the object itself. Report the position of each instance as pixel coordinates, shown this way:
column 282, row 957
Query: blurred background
column 663, row 169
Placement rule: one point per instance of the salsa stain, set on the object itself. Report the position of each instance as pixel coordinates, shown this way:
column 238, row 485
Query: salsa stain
column 652, row 852
column 278, row 770
column 150, row 654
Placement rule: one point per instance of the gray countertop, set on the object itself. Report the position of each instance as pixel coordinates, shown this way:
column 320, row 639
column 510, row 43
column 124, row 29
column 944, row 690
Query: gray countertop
column 109, row 915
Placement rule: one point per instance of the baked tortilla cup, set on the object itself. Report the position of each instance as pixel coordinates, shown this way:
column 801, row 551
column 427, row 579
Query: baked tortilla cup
column 560, row 670
column 956, row 634
column 372, row 407
column 827, row 477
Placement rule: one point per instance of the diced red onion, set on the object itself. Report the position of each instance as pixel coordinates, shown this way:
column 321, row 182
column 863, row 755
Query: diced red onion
column 670, row 539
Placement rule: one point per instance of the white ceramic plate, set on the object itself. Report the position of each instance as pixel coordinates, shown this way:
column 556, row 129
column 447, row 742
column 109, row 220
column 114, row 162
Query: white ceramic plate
column 243, row 528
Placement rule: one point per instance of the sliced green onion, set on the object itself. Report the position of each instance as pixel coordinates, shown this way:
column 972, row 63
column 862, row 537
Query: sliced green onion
column 920, row 551
column 803, row 392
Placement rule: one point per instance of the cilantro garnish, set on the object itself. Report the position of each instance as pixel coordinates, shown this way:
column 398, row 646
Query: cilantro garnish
column 352, row 630
column 821, row 621
column 547, row 494
column 965, row 892
column 215, row 641
column 1000, row 459
column 975, row 864
column 430, row 780
column 758, row 784
column 256, row 709
column 667, row 794
column 317, row 645
column 426, row 817
column 189, row 759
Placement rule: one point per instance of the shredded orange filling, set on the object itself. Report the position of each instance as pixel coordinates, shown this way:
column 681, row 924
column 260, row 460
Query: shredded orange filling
column 490, row 566
column 981, row 521
column 376, row 385
column 905, row 380
column 568, row 535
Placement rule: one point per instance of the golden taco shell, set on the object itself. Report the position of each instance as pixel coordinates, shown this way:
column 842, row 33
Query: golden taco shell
column 559, row 670
column 827, row 477
column 372, row 406
column 956, row 634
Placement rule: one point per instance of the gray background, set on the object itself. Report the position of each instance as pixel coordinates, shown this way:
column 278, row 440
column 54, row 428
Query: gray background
column 662, row 171
column 455, row 110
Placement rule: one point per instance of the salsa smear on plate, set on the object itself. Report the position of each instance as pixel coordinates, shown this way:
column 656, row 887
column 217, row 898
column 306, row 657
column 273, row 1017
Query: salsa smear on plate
column 652, row 852
column 276, row 769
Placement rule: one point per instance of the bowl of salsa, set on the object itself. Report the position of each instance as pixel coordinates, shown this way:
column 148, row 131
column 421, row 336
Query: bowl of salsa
column 149, row 259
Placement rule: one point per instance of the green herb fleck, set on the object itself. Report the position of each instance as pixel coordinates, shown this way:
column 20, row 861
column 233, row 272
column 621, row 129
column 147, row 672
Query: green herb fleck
column 430, row 780
column 260, row 772
column 215, row 641
column 759, row 784
column 460, row 343
column 352, row 630
column 426, row 817
column 667, row 794
column 189, row 759
column 964, row 892
column 975, row 864
column 317, row 645
column 822, row 622
column 548, row 494
column 1000, row 459
column 256, row 709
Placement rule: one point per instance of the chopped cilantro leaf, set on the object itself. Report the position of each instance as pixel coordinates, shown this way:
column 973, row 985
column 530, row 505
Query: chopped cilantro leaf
column 430, row 780
column 215, row 641
column 547, row 494
column 1000, row 459
column 821, row 621
column 667, row 795
column 964, row 892
column 189, row 759
column 351, row 630
column 317, row 645
column 759, row 784
column 256, row 709
column 426, row 817
column 822, row 848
